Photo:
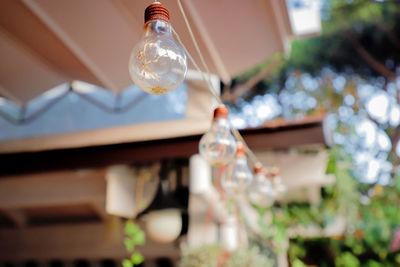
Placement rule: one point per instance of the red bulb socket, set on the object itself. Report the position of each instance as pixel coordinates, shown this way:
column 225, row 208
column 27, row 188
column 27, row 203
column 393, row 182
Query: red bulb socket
column 241, row 150
column 275, row 171
column 221, row 112
column 258, row 168
column 156, row 11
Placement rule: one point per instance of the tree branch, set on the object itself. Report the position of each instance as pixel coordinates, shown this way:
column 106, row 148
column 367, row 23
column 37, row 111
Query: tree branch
column 392, row 36
column 249, row 84
column 395, row 140
column 375, row 64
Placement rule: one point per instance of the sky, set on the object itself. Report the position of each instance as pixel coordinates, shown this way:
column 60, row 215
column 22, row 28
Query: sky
column 305, row 16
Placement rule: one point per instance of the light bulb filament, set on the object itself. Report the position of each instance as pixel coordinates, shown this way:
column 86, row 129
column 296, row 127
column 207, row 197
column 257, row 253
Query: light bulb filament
column 145, row 68
column 158, row 90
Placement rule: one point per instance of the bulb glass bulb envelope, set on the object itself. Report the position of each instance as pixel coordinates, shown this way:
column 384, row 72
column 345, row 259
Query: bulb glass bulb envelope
column 278, row 185
column 238, row 176
column 157, row 63
column 164, row 226
column 260, row 192
column 218, row 146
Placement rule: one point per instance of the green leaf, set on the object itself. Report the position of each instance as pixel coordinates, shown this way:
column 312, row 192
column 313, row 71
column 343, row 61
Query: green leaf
column 297, row 250
column 137, row 258
column 129, row 244
column 139, row 238
column 298, row 263
column 372, row 263
column 143, row 204
column 331, row 166
column 127, row 263
column 397, row 258
column 397, row 181
column 347, row 260
column 131, row 228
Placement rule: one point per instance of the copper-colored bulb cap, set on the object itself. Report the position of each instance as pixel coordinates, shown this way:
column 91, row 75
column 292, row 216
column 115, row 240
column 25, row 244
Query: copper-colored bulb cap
column 258, row 168
column 275, row 171
column 240, row 151
column 221, row 112
column 156, row 11
column 268, row 174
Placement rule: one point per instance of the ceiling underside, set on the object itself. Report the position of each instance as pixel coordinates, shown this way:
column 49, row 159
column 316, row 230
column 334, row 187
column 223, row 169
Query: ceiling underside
column 44, row 43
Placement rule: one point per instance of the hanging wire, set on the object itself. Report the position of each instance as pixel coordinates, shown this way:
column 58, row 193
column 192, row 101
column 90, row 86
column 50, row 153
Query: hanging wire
column 249, row 152
column 196, row 45
column 206, row 77
column 207, row 81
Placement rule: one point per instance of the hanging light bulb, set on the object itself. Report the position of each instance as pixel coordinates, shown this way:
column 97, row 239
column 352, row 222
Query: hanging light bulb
column 260, row 191
column 279, row 187
column 218, row 146
column 164, row 226
column 163, row 215
column 157, row 64
column 238, row 175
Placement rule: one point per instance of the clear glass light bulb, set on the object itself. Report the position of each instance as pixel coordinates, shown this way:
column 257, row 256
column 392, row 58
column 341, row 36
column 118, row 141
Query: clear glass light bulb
column 218, row 146
column 164, row 226
column 260, row 192
column 238, row 175
column 279, row 187
column 157, row 64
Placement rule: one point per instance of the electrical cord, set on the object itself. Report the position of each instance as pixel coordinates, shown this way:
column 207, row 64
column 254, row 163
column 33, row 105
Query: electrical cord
column 206, row 77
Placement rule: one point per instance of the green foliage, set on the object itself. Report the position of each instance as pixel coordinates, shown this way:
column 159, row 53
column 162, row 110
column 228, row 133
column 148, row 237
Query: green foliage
column 297, row 250
column 345, row 13
column 134, row 237
column 298, row 263
column 375, row 24
column 127, row 263
column 397, row 182
column 371, row 225
column 347, row 260
column 216, row 256
column 137, row 258
column 201, row 256
column 251, row 257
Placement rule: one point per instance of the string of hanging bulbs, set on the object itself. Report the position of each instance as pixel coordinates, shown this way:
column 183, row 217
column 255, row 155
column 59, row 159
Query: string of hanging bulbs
column 158, row 65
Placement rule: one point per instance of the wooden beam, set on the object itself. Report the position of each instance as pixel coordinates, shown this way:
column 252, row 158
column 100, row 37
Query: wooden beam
column 16, row 216
column 52, row 189
column 69, row 242
column 99, row 209
column 273, row 137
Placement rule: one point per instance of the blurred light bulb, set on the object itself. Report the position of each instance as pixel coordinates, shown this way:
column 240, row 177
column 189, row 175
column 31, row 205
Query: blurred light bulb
column 260, row 192
column 218, row 146
column 157, row 64
column 279, row 187
column 164, row 226
column 238, row 175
